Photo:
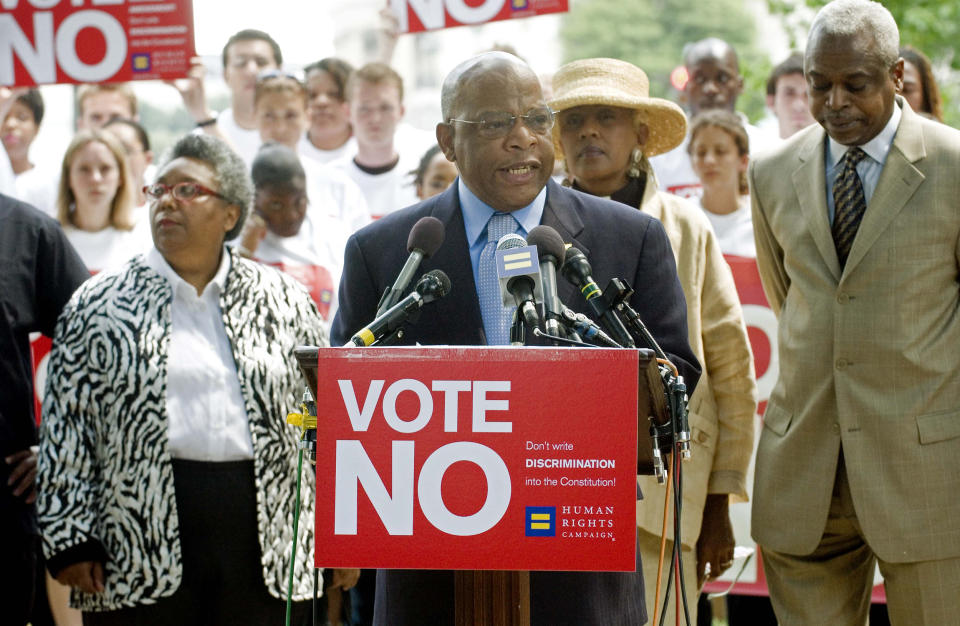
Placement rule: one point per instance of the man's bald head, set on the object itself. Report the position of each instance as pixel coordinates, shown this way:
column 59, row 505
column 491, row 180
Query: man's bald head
column 493, row 129
column 715, row 81
column 710, row 48
column 510, row 66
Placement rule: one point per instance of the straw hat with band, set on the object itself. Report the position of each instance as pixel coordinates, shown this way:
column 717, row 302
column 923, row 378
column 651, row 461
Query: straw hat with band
column 613, row 82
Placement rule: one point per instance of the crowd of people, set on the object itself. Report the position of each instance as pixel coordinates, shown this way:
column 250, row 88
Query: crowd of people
column 175, row 288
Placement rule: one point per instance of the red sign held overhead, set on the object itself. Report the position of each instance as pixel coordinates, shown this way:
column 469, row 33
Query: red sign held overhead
column 94, row 41
column 477, row 458
column 420, row 15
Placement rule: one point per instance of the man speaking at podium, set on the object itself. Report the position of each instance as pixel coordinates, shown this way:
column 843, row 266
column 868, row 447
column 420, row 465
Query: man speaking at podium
column 496, row 129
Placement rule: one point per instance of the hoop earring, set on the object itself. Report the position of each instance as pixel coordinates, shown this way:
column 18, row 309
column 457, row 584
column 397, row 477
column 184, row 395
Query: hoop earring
column 636, row 157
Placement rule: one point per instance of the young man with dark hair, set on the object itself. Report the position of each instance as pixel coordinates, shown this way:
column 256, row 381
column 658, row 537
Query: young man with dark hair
column 787, row 96
column 246, row 54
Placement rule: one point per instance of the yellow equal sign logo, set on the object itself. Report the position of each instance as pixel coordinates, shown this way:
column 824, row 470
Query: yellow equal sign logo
column 535, row 521
column 541, row 521
column 141, row 62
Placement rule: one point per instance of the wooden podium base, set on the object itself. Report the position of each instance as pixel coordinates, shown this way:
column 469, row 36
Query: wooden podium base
column 492, row 598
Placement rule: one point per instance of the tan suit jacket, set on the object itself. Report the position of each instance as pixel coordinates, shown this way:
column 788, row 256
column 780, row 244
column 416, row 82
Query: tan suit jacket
column 870, row 356
column 723, row 404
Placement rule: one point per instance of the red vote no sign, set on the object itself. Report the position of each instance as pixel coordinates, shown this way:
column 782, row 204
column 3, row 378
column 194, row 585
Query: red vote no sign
column 477, row 458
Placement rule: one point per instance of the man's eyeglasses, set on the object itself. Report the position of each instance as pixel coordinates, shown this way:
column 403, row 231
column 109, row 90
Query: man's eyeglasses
column 184, row 192
column 500, row 123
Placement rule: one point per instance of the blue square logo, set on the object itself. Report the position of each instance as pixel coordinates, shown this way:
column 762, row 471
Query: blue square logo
column 141, row 62
column 541, row 521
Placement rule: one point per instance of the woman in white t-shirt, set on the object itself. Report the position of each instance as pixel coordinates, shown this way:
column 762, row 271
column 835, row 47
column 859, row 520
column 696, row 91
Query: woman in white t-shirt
column 285, row 231
column 330, row 135
column 95, row 202
column 719, row 153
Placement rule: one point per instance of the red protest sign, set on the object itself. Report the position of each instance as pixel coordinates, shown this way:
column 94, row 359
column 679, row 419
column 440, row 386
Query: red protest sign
column 477, row 458
column 420, row 15
column 45, row 41
column 761, row 324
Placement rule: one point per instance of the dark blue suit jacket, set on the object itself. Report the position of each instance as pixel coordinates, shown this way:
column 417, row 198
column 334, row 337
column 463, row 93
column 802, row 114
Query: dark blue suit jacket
column 619, row 242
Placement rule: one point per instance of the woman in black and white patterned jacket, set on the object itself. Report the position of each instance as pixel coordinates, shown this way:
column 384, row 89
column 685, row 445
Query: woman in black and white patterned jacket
column 167, row 472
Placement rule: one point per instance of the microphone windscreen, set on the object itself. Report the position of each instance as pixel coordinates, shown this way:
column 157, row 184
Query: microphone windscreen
column 426, row 236
column 435, row 283
column 511, row 240
column 548, row 242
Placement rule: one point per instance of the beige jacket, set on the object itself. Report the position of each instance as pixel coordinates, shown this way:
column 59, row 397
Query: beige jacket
column 869, row 356
column 723, row 405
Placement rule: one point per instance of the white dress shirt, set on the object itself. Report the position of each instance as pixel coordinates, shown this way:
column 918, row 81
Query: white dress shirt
column 207, row 420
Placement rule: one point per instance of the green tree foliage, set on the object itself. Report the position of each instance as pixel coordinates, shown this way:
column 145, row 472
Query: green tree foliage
column 165, row 126
column 933, row 26
column 652, row 34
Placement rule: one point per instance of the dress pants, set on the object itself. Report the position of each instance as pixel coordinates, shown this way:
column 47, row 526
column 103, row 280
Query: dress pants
column 222, row 576
column 833, row 584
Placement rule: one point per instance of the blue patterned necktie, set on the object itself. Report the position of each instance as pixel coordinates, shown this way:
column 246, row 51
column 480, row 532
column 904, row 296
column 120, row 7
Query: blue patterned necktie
column 496, row 317
column 849, row 204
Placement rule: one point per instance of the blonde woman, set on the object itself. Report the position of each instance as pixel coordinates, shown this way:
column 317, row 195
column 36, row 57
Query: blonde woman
column 95, row 201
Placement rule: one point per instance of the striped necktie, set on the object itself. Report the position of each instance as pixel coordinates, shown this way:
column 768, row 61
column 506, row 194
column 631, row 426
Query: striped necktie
column 849, row 203
column 496, row 317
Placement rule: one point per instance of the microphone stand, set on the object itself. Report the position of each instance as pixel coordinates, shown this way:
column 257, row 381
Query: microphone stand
column 306, row 421
column 576, row 343
column 518, row 330
column 619, row 293
column 676, row 431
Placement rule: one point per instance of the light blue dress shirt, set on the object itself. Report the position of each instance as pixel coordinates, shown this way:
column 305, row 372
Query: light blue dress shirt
column 476, row 214
column 868, row 169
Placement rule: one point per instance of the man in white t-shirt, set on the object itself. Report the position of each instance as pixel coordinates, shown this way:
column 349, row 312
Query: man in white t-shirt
column 98, row 104
column 714, row 83
column 246, row 55
column 281, row 109
column 382, row 164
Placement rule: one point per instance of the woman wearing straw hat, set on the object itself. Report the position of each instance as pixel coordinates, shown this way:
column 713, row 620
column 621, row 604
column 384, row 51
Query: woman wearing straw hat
column 607, row 127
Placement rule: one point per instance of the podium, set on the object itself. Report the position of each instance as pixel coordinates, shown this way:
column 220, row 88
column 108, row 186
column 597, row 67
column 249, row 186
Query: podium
column 552, row 488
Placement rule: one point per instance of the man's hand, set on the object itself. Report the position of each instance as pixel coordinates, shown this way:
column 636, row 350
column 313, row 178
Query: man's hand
column 23, row 476
column 192, row 91
column 345, row 578
column 716, row 543
column 388, row 34
column 87, row 576
column 254, row 230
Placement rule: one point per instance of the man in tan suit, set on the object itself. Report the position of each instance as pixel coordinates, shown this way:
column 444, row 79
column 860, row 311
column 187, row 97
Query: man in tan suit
column 858, row 241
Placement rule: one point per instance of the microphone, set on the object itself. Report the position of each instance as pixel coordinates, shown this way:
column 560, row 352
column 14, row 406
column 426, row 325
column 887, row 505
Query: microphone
column 424, row 240
column 577, row 270
column 519, row 274
column 551, row 248
column 584, row 326
column 433, row 285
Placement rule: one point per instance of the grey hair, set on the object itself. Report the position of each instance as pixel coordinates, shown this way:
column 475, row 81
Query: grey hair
column 230, row 171
column 849, row 18
column 463, row 71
